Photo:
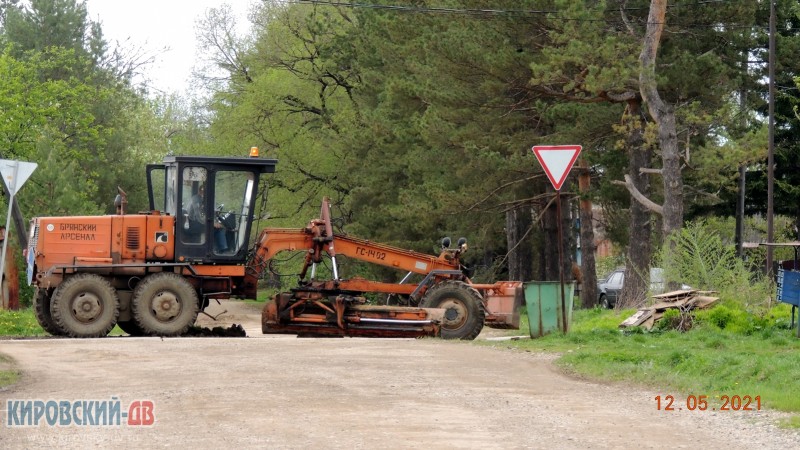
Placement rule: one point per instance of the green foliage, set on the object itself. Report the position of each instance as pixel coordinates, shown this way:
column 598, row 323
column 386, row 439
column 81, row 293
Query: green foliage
column 732, row 318
column 288, row 94
column 790, row 423
column 697, row 256
column 8, row 377
column 19, row 323
column 786, row 195
column 67, row 104
column 672, row 319
column 420, row 125
column 719, row 317
column 435, row 156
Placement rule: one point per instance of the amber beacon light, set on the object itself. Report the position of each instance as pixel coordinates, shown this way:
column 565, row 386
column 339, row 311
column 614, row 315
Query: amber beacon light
column 254, row 152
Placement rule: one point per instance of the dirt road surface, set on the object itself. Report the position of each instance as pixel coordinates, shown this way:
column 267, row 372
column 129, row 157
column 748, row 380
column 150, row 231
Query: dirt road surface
column 285, row 392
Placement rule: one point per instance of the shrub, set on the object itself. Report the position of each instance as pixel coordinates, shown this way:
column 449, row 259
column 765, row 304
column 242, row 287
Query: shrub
column 674, row 319
column 718, row 317
column 698, row 257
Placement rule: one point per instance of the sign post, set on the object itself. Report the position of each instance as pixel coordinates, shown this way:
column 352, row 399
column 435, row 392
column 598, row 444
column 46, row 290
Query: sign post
column 15, row 174
column 557, row 160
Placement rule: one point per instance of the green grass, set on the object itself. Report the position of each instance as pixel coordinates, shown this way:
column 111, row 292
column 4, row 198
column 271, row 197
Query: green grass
column 20, row 323
column 7, row 377
column 746, row 356
column 791, row 423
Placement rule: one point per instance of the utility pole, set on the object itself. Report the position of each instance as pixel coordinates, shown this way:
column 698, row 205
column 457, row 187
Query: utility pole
column 771, row 157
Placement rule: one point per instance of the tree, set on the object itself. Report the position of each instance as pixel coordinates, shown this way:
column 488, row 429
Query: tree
column 70, row 109
column 287, row 94
column 599, row 69
column 449, row 120
column 427, row 119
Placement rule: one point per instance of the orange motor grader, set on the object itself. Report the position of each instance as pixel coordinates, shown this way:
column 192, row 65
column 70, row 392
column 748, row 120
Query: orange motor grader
column 152, row 272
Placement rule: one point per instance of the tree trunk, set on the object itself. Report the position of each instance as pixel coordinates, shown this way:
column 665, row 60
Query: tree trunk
column 637, row 263
column 549, row 270
column 588, row 278
column 664, row 116
column 518, row 238
column 550, row 243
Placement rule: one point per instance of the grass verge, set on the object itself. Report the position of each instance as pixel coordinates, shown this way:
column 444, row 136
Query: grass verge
column 21, row 323
column 8, row 376
column 758, row 360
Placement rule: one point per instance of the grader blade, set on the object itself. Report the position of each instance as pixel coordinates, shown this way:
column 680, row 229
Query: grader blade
column 342, row 318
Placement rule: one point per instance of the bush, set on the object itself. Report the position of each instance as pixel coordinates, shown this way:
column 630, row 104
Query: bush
column 718, row 317
column 698, row 257
column 738, row 321
column 674, row 319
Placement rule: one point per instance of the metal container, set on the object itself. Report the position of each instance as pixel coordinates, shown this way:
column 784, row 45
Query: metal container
column 546, row 311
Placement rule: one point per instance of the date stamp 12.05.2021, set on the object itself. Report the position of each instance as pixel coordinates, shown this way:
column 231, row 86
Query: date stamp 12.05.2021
column 701, row 403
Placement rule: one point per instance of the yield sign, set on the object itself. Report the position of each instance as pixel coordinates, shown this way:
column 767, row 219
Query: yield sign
column 557, row 160
column 15, row 173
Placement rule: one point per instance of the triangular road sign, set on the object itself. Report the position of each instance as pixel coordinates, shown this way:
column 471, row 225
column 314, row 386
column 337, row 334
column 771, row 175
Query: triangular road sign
column 23, row 171
column 557, row 160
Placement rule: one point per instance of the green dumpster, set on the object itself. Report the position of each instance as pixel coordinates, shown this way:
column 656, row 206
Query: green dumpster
column 545, row 311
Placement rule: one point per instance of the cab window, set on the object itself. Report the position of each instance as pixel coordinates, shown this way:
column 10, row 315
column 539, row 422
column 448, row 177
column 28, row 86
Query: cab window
column 232, row 198
column 193, row 205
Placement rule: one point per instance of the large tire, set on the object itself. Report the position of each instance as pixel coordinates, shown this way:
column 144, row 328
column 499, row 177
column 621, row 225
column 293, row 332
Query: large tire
column 464, row 315
column 164, row 304
column 41, row 308
column 85, row 305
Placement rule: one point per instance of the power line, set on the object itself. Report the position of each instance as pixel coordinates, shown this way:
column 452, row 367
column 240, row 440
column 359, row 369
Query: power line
column 433, row 9
column 482, row 11
column 512, row 12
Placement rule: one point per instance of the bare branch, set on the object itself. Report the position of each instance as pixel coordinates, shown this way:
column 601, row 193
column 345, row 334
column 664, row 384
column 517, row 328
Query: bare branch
column 646, row 202
column 625, row 20
column 649, row 170
column 501, row 187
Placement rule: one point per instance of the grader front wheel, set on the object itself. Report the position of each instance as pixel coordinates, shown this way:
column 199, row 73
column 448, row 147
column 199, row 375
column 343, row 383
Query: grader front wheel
column 85, row 305
column 464, row 312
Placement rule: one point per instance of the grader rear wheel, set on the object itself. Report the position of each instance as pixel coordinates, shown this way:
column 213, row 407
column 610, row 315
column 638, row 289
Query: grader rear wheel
column 41, row 308
column 464, row 312
column 164, row 304
column 85, row 305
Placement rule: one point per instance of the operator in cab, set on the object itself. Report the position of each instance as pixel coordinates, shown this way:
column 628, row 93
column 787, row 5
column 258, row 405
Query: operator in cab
column 196, row 222
column 196, row 217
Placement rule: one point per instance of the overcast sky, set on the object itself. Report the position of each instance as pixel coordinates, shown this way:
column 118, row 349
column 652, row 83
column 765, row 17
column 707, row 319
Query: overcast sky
column 155, row 24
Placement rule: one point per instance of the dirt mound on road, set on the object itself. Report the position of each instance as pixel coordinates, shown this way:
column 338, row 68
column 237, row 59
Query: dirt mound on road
column 234, row 330
column 227, row 313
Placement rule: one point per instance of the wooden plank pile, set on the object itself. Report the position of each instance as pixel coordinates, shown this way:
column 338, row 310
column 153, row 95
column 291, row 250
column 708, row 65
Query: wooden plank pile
column 683, row 300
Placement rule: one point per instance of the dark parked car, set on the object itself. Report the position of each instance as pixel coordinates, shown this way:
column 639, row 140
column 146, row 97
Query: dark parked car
column 609, row 289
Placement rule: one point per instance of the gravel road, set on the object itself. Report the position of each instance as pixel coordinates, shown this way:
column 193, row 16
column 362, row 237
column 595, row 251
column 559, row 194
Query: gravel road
column 285, row 392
